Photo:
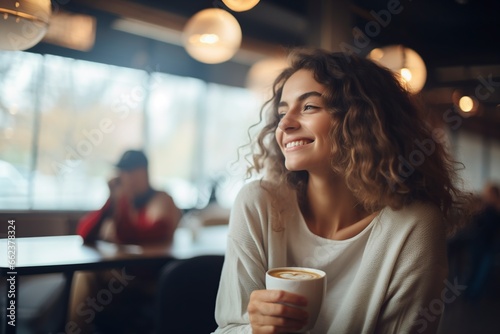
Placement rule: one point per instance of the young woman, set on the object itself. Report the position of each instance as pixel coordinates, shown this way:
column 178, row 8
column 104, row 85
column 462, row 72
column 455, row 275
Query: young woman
column 344, row 192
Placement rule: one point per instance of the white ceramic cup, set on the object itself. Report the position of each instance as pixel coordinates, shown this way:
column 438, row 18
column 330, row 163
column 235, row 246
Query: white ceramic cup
column 308, row 282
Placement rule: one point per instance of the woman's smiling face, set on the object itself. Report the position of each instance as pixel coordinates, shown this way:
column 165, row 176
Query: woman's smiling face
column 303, row 132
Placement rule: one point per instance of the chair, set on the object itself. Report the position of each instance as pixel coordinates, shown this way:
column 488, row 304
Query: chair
column 41, row 303
column 186, row 295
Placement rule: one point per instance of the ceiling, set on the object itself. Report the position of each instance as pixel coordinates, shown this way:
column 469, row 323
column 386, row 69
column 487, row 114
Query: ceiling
column 459, row 40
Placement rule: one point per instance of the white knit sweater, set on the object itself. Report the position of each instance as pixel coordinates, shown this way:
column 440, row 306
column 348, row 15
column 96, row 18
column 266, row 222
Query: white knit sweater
column 387, row 279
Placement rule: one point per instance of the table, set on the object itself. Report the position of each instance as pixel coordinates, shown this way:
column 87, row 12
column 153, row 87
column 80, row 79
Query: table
column 67, row 254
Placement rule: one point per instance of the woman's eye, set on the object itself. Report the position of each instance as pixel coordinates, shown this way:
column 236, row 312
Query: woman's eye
column 281, row 115
column 309, row 107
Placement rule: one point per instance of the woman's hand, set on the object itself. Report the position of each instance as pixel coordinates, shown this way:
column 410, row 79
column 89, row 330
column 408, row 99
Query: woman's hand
column 269, row 314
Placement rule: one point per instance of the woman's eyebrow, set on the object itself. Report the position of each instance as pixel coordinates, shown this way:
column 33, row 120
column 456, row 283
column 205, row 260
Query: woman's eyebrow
column 302, row 97
column 308, row 94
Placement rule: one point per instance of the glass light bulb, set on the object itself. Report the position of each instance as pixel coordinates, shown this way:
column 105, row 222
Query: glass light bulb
column 24, row 23
column 212, row 36
column 409, row 66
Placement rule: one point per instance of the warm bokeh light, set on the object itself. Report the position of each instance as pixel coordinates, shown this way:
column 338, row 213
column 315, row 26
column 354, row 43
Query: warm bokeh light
column 262, row 74
column 212, row 36
column 208, row 38
column 376, row 54
column 23, row 23
column 406, row 74
column 240, row 5
column 466, row 104
column 73, row 31
column 404, row 61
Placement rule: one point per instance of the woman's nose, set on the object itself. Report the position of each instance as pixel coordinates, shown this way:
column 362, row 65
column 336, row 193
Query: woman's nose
column 287, row 123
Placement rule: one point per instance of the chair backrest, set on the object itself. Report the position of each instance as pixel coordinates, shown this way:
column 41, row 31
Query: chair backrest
column 187, row 293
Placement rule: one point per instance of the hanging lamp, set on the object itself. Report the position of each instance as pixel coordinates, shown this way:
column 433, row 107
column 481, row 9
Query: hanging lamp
column 212, row 36
column 404, row 61
column 23, row 23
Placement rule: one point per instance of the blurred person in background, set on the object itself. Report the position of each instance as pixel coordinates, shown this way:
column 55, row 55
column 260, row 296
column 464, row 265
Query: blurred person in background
column 134, row 213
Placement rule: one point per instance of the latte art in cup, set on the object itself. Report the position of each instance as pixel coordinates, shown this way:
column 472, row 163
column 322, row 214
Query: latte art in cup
column 307, row 282
column 294, row 275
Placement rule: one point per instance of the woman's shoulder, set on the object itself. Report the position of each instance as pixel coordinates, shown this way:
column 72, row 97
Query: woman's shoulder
column 262, row 191
column 259, row 207
column 418, row 217
column 419, row 210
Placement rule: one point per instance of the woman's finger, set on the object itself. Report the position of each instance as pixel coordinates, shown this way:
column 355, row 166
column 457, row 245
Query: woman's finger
column 278, row 322
column 280, row 310
column 276, row 311
column 279, row 296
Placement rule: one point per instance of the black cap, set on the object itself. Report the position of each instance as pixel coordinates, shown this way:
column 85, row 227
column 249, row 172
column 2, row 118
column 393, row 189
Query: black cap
column 131, row 160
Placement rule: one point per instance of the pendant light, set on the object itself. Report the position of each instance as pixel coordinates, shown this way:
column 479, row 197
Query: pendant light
column 212, row 36
column 240, row 5
column 404, row 61
column 23, row 23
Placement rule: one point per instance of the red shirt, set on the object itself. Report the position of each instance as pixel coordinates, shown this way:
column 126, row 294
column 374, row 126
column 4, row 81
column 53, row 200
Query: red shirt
column 131, row 227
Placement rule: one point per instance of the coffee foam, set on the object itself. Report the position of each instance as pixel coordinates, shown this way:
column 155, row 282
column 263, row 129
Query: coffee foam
column 294, row 275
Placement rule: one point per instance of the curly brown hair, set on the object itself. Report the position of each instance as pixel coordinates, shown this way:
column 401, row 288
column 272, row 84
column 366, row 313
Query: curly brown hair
column 380, row 143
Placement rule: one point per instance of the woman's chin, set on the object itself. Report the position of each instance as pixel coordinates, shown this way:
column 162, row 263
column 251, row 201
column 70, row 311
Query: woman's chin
column 293, row 167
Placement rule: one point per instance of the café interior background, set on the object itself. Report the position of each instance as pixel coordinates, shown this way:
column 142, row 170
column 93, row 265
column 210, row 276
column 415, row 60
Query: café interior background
column 112, row 75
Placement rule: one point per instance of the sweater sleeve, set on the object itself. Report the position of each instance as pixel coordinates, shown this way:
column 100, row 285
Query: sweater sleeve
column 416, row 294
column 245, row 263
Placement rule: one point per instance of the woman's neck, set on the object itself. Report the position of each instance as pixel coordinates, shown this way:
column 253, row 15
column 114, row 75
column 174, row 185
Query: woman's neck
column 331, row 210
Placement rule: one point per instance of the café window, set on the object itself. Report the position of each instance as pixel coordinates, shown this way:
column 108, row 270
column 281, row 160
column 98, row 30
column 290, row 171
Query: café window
column 64, row 122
